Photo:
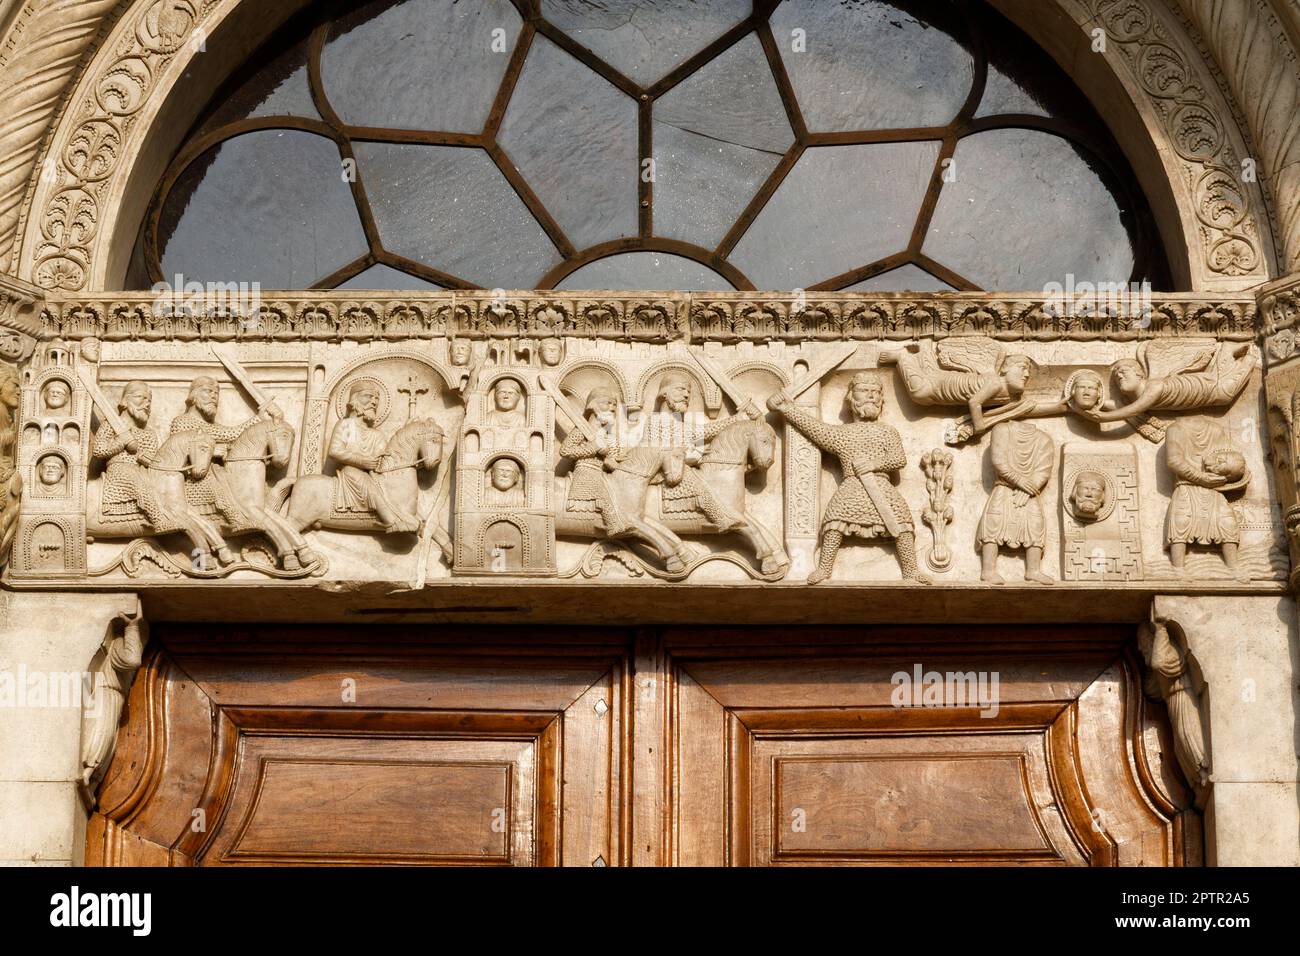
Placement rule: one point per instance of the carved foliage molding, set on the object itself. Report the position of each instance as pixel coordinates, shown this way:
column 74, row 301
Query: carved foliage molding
column 1229, row 213
column 707, row 317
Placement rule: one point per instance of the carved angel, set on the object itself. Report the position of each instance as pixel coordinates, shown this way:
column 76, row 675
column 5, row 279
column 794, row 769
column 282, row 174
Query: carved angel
column 1175, row 376
column 971, row 371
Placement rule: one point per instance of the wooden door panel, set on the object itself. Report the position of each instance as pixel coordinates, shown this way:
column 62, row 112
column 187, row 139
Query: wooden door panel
column 746, row 747
column 821, row 766
column 442, row 755
column 370, row 799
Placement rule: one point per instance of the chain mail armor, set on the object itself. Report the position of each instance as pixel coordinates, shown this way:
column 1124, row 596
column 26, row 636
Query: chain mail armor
column 127, row 490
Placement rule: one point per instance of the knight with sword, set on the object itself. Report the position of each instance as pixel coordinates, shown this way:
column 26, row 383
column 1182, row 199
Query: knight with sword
column 866, row 504
column 211, row 493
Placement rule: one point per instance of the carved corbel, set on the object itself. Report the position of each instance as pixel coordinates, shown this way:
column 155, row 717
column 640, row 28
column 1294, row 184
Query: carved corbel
column 21, row 304
column 119, row 659
column 1280, row 310
column 1174, row 677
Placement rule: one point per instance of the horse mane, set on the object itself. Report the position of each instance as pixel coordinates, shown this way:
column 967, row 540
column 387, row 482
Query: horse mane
column 174, row 450
column 409, row 437
column 254, row 436
column 732, row 443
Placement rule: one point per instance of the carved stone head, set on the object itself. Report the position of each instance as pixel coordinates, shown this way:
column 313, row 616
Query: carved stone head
column 50, row 471
column 675, row 392
column 204, row 395
column 551, row 351
column 1016, row 370
column 10, row 386
column 363, row 401
column 602, row 406
column 460, row 351
column 505, row 474
column 136, row 401
column 1088, row 497
column 1228, row 462
column 1128, row 377
column 506, row 394
column 866, row 397
column 1084, row 390
column 55, row 395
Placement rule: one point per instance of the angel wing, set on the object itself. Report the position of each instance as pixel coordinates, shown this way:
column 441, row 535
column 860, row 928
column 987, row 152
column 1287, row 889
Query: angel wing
column 969, row 353
column 1163, row 357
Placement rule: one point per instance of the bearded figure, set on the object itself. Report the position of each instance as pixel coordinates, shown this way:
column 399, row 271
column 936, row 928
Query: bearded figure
column 357, row 450
column 211, row 494
column 866, row 505
column 669, row 428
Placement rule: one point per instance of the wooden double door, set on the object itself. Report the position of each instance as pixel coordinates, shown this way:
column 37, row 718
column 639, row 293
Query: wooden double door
column 478, row 745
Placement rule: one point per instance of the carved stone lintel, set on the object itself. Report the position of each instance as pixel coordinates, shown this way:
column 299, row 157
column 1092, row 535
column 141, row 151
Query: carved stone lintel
column 1174, row 678
column 119, row 660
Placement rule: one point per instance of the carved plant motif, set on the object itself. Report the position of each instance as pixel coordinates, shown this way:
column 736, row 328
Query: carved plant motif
column 938, row 514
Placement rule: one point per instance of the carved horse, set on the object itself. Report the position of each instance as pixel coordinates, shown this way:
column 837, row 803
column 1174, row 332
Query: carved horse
column 308, row 501
column 734, row 452
column 180, row 455
column 731, row 454
column 628, row 484
column 268, row 443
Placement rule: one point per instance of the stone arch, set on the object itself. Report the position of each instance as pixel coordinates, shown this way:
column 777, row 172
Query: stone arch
column 449, row 378
column 607, row 368
column 73, row 230
column 708, row 388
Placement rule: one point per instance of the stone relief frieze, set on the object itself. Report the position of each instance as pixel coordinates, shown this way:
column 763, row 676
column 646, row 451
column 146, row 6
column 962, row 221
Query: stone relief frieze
column 568, row 436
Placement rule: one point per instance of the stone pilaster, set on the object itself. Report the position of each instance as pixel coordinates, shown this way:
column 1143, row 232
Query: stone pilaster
column 50, row 647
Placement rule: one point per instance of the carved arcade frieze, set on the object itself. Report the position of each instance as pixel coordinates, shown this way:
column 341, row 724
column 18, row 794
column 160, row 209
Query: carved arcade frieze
column 841, row 438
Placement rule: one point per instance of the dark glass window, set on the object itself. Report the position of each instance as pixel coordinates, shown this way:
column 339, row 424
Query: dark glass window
column 887, row 145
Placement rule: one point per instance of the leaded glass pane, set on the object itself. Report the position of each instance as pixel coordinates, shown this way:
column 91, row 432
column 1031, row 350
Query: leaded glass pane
column 717, row 136
column 874, row 65
column 1054, row 215
column 644, row 40
column 451, row 208
column 646, row 270
column 573, row 136
column 269, row 207
column 840, row 208
column 419, row 64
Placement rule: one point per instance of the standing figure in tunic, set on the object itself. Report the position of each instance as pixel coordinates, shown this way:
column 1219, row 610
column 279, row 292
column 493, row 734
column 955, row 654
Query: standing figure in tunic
column 1205, row 466
column 866, row 504
column 1013, row 516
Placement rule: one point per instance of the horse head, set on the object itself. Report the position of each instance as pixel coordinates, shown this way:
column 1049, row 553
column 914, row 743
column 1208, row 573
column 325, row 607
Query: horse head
column 751, row 444
column 270, row 441
column 279, row 443
column 200, row 456
column 762, row 447
column 417, row 443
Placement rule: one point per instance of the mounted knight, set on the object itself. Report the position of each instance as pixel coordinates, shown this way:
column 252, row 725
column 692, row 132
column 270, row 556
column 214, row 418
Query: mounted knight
column 356, row 449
